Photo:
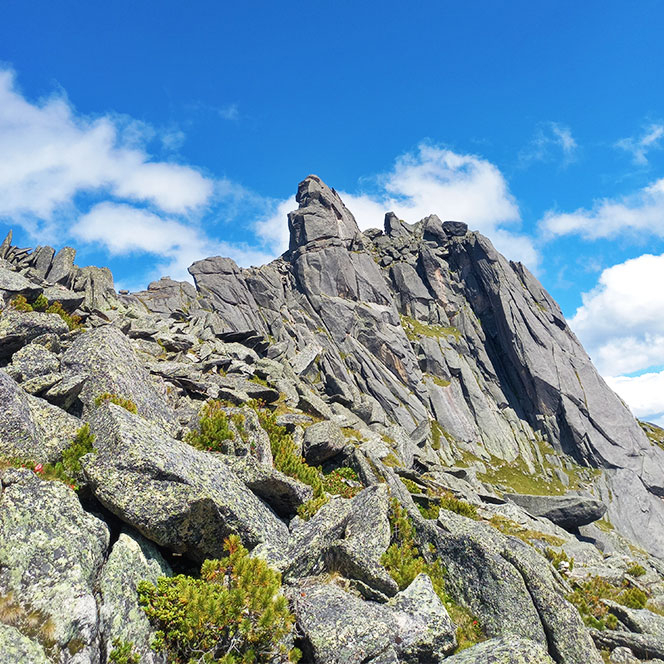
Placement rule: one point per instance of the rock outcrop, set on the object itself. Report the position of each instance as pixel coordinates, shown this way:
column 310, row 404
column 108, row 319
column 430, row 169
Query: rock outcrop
column 398, row 396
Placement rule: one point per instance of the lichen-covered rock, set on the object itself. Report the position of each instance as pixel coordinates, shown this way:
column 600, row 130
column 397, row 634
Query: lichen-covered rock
column 644, row 646
column 33, row 360
column 175, row 495
column 132, row 559
column 424, row 626
column 504, row 650
column 15, row 648
column 51, row 551
column 17, row 328
column 638, row 620
column 31, row 428
column 282, row 493
column 322, row 441
column 12, row 283
column 341, row 628
column 348, row 536
column 106, row 356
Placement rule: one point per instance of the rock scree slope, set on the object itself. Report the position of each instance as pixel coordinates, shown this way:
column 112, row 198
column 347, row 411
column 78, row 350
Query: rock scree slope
column 399, row 421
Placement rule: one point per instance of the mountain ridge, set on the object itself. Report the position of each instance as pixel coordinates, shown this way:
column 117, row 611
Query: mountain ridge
column 413, row 354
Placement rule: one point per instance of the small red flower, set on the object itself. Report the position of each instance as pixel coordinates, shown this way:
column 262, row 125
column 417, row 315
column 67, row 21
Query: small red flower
column 38, row 468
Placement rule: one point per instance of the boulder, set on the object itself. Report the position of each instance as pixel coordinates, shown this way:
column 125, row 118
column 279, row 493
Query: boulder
column 31, row 428
column 132, row 559
column 643, row 646
column 569, row 512
column 322, row 441
column 177, row 496
column 51, row 551
column 504, row 650
column 12, row 284
column 18, row 649
column 455, row 228
column 641, row 621
column 18, row 328
column 106, row 356
column 339, row 627
column 33, row 360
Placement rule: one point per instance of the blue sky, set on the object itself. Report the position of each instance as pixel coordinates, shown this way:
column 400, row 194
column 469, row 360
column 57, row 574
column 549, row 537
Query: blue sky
column 148, row 135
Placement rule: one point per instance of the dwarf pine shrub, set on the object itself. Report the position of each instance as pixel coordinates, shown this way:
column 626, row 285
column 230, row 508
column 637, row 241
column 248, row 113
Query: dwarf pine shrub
column 233, row 614
column 213, row 431
column 19, row 303
column 107, row 397
column 123, row 653
column 587, row 597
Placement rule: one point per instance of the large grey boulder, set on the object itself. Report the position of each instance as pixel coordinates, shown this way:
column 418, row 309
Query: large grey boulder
column 17, row 328
column 12, row 284
column 346, row 536
column 641, row 621
column 322, row 441
column 511, row 588
column 15, row 648
column 644, row 646
column 51, row 551
column 107, row 357
column 504, row 650
column 31, row 428
column 177, row 496
column 340, row 628
column 569, row 512
column 132, row 559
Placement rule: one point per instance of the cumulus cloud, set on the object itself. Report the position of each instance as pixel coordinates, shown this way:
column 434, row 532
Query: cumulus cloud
column 644, row 394
column 652, row 138
column 273, row 229
column 638, row 214
column 66, row 176
column 551, row 140
column 620, row 321
column 50, row 155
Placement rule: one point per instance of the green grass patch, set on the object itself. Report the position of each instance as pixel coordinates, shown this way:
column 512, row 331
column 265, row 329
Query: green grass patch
column 415, row 329
column 20, row 303
column 587, row 597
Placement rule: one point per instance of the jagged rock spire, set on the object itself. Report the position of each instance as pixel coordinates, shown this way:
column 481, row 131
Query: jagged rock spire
column 321, row 215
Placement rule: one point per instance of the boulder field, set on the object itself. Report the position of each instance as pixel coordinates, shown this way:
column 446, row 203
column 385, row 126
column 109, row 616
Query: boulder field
column 398, row 421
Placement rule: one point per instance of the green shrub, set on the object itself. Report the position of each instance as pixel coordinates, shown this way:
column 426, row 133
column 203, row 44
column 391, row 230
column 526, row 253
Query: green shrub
column 214, row 429
column 587, row 595
column 19, row 303
column 557, row 557
column 123, row 653
column 234, row 614
column 66, row 470
column 636, row 570
column 403, row 560
column 107, row 397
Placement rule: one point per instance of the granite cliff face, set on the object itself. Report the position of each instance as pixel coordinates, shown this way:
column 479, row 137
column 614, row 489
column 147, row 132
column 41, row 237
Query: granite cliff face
column 416, row 356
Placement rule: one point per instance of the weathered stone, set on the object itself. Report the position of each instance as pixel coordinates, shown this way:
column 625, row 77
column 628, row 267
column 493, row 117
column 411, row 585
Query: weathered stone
column 504, row 650
column 33, row 360
column 642, row 645
column 18, row 328
column 62, row 266
column 641, row 621
column 50, row 553
column 31, row 428
column 18, row 649
column 173, row 494
column 69, row 300
column 132, row 559
column 322, row 441
column 106, row 356
column 457, row 228
column 12, row 284
column 569, row 512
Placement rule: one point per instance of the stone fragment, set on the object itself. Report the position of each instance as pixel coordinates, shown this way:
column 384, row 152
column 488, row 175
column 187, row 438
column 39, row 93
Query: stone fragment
column 569, row 512
column 322, row 441
column 503, row 650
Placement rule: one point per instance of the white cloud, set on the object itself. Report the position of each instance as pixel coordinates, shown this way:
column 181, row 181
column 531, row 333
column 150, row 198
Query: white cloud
column 50, row 155
column 651, row 139
column 550, row 139
column 644, row 394
column 637, row 214
column 620, row 322
column 273, row 230
column 454, row 186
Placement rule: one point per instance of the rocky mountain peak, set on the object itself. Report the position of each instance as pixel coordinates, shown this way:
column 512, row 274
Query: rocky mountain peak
column 368, row 406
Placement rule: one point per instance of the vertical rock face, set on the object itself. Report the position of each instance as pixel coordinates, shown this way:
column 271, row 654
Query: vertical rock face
column 428, row 323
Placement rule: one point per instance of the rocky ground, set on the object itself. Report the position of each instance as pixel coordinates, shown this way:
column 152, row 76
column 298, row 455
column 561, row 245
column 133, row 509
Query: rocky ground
column 400, row 422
